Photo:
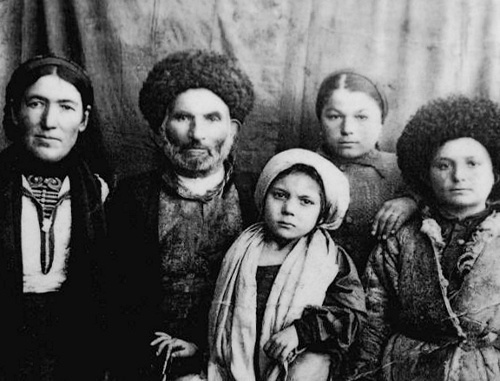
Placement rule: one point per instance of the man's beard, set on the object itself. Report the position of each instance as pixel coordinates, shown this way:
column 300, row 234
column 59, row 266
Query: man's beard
column 199, row 165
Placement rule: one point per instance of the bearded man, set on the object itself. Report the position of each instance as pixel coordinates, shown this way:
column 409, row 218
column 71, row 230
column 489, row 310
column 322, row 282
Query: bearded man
column 170, row 228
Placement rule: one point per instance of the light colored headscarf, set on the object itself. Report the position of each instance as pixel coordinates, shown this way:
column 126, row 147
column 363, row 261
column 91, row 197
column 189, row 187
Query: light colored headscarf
column 335, row 183
column 302, row 281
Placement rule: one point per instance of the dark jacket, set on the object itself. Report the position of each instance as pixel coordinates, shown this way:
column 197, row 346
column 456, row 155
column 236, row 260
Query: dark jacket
column 433, row 302
column 82, row 296
column 373, row 179
column 165, row 279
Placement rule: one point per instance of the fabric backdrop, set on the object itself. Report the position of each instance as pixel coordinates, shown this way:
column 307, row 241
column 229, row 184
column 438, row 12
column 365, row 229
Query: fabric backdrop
column 416, row 49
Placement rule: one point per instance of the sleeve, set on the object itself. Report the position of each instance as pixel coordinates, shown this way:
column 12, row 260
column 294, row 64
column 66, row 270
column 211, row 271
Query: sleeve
column 336, row 324
column 381, row 278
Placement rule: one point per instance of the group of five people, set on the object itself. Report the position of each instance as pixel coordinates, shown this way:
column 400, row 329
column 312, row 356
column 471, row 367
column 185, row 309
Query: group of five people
column 363, row 265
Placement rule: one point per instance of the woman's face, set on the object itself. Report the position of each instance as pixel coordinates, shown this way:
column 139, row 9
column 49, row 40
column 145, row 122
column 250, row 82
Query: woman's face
column 461, row 176
column 351, row 123
column 292, row 206
column 51, row 115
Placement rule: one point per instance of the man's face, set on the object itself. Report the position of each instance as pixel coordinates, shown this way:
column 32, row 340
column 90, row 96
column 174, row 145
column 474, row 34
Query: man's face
column 51, row 115
column 198, row 133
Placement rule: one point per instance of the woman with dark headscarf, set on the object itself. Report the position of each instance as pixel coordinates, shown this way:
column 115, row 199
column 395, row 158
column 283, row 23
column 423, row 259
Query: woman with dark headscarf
column 51, row 227
column 433, row 296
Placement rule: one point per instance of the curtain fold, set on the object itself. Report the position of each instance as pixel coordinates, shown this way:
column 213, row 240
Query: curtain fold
column 416, row 49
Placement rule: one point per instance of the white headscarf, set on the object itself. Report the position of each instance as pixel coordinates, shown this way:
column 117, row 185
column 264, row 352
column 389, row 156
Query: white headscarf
column 335, row 183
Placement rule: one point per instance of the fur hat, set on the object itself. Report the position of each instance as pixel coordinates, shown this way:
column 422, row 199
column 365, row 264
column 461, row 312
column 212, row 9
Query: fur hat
column 440, row 121
column 194, row 69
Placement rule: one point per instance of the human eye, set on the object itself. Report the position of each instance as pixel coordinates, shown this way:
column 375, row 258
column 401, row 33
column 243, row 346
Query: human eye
column 67, row 107
column 332, row 116
column 34, row 103
column 473, row 163
column 442, row 165
column 180, row 117
column 279, row 194
column 361, row 117
column 213, row 117
column 307, row 201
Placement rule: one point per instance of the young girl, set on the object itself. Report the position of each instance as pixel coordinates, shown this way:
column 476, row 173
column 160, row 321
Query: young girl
column 351, row 110
column 288, row 301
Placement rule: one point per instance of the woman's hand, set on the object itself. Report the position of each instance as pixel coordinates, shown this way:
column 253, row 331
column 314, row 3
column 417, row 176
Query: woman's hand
column 392, row 215
column 282, row 344
column 175, row 347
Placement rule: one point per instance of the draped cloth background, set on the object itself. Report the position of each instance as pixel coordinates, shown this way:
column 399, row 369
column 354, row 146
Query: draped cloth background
column 416, row 49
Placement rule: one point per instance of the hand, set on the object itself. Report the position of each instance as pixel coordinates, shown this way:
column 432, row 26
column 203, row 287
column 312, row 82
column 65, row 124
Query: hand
column 281, row 344
column 175, row 347
column 392, row 215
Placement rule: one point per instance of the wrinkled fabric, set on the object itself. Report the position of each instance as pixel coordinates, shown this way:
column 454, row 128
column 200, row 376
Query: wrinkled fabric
column 302, row 280
column 373, row 179
column 421, row 327
column 330, row 326
column 168, row 250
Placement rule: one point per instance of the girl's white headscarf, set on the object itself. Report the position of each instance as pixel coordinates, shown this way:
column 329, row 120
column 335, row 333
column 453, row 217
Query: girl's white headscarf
column 334, row 181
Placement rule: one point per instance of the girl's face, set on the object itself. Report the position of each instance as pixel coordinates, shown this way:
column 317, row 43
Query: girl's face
column 292, row 206
column 461, row 176
column 351, row 122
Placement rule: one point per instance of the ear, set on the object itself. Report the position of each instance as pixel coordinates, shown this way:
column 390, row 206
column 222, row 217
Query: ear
column 13, row 114
column 163, row 126
column 235, row 127
column 85, row 120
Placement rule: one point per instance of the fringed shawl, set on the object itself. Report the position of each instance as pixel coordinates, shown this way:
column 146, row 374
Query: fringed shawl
column 302, row 280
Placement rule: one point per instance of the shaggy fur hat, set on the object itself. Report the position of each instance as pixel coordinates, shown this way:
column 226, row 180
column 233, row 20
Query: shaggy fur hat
column 194, row 69
column 440, row 121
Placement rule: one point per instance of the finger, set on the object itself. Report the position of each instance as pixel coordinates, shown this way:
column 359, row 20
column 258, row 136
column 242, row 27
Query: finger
column 397, row 225
column 157, row 341
column 383, row 221
column 376, row 221
column 167, row 359
column 163, row 334
column 162, row 346
column 389, row 225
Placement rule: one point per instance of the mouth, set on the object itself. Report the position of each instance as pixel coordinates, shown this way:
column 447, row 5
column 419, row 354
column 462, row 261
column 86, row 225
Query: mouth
column 347, row 143
column 47, row 138
column 196, row 150
column 460, row 190
column 286, row 225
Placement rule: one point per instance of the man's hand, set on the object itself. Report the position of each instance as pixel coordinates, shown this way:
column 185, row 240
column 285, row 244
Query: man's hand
column 175, row 347
column 281, row 344
column 392, row 215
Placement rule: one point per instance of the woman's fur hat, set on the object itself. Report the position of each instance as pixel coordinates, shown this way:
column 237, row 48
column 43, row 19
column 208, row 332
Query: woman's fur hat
column 440, row 121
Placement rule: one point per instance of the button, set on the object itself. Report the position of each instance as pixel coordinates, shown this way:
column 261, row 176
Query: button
column 342, row 167
column 461, row 241
column 348, row 219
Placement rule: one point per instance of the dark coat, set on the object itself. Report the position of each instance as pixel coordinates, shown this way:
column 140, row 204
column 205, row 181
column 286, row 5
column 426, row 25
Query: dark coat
column 165, row 283
column 373, row 179
column 427, row 323
column 82, row 295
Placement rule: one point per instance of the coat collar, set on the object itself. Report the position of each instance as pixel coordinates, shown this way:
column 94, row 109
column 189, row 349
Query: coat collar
column 373, row 159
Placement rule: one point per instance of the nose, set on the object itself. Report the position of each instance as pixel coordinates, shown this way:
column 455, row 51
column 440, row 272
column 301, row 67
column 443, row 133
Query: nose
column 459, row 173
column 49, row 118
column 197, row 130
column 288, row 207
column 347, row 126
